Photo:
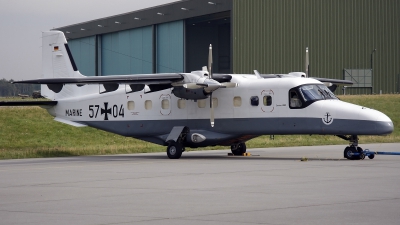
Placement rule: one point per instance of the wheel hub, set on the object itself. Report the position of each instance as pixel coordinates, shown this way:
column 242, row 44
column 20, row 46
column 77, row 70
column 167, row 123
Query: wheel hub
column 172, row 150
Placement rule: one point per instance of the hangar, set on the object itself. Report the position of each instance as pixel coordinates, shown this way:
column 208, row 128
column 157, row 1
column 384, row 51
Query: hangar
column 348, row 39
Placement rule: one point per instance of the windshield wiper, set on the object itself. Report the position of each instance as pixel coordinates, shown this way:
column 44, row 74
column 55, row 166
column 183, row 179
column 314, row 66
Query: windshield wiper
column 322, row 93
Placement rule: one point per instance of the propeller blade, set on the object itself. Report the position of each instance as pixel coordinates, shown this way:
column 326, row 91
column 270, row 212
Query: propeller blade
column 307, row 64
column 211, row 111
column 194, row 85
column 210, row 61
column 229, row 85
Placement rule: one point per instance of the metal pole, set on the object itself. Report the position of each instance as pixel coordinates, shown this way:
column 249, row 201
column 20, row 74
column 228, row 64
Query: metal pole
column 372, row 74
column 372, row 58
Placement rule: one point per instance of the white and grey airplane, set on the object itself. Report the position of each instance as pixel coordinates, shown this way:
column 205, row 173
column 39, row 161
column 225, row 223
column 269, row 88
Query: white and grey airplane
column 199, row 109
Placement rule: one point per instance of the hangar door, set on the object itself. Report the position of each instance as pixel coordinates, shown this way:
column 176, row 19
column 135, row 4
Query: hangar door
column 84, row 53
column 169, row 54
column 127, row 52
column 202, row 31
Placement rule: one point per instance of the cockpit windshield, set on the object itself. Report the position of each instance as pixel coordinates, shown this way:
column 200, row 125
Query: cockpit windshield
column 314, row 92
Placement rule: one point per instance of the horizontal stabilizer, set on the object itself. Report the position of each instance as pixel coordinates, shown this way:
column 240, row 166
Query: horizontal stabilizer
column 75, row 124
column 29, row 103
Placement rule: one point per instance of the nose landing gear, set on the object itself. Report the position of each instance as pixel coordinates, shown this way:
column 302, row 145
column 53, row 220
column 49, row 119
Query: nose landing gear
column 352, row 152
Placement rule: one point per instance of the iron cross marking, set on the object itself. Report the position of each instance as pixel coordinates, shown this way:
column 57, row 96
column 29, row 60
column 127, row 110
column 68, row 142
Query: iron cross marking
column 106, row 111
column 328, row 118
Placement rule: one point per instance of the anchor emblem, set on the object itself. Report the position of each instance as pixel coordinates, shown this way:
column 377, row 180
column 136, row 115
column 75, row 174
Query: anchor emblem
column 327, row 119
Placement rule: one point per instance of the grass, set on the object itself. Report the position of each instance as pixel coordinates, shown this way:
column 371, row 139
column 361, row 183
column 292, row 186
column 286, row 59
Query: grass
column 28, row 132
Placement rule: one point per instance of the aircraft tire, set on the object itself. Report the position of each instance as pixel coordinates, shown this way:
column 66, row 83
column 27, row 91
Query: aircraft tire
column 174, row 150
column 347, row 153
column 239, row 150
column 372, row 156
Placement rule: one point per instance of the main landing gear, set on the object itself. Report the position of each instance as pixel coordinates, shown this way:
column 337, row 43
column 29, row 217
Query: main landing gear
column 238, row 149
column 174, row 150
column 175, row 142
column 353, row 152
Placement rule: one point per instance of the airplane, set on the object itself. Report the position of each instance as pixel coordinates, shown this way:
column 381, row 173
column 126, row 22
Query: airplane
column 199, row 109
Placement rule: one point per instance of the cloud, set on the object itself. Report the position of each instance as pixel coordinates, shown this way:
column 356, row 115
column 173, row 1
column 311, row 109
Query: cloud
column 22, row 22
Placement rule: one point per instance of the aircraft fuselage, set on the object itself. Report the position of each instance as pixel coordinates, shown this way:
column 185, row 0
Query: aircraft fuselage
column 256, row 107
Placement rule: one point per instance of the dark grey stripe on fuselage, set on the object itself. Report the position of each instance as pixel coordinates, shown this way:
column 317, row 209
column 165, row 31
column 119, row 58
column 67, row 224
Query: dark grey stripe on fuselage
column 244, row 126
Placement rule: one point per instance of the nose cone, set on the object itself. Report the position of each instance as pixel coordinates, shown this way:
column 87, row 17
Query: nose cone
column 384, row 124
column 379, row 122
column 385, row 127
column 354, row 119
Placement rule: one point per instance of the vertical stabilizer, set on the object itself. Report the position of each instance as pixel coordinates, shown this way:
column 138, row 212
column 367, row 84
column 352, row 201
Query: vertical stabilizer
column 57, row 62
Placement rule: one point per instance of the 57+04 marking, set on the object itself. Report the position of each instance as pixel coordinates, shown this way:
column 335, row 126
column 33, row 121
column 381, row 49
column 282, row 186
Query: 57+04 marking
column 115, row 111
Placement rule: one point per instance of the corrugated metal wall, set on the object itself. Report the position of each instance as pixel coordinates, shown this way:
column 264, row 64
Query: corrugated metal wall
column 271, row 36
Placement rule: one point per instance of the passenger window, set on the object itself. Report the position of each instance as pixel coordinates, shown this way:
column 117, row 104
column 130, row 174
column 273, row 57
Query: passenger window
column 165, row 104
column 254, row 100
column 295, row 101
column 267, row 100
column 181, row 103
column 201, row 103
column 237, row 101
column 148, row 104
column 131, row 105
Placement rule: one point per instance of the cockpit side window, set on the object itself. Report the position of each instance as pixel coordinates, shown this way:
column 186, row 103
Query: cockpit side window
column 311, row 92
column 294, row 101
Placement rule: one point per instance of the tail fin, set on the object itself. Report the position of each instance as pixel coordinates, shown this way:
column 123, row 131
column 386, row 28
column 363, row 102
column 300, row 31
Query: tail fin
column 57, row 61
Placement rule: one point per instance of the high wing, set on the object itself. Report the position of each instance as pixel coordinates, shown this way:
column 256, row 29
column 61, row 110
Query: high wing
column 332, row 84
column 155, row 82
column 161, row 78
column 333, row 81
column 137, row 82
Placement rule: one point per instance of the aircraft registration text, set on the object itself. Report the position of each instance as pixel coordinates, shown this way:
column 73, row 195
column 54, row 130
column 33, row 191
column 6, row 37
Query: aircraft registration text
column 114, row 111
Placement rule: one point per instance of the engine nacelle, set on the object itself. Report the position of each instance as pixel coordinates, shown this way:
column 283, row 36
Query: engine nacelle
column 192, row 94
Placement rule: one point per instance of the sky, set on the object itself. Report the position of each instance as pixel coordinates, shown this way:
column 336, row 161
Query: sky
column 22, row 23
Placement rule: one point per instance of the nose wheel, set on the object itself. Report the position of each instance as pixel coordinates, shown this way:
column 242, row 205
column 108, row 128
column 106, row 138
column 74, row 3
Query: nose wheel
column 353, row 152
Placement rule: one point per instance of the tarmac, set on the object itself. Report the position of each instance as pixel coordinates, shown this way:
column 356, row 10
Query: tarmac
column 273, row 186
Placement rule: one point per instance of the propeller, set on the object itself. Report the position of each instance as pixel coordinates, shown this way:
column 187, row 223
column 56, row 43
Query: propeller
column 210, row 61
column 307, row 64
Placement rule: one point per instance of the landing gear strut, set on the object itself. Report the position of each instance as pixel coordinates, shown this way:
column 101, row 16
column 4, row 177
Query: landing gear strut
column 175, row 142
column 238, row 149
column 352, row 152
